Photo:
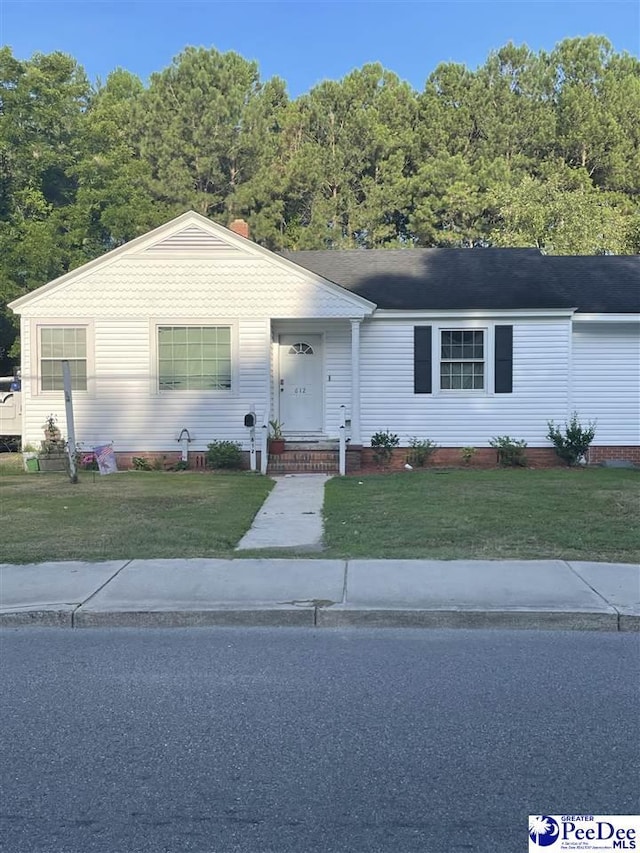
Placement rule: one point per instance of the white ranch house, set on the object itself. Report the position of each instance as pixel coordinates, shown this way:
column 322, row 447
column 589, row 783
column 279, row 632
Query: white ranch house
column 193, row 325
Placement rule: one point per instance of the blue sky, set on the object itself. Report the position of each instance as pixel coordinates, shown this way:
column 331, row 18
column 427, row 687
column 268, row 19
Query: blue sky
column 304, row 41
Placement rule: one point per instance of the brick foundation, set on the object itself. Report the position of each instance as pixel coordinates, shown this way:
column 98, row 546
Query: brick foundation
column 609, row 452
column 361, row 459
column 197, row 459
column 451, row 457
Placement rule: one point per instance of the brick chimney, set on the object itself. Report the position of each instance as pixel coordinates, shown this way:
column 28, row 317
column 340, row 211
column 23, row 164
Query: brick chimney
column 239, row 226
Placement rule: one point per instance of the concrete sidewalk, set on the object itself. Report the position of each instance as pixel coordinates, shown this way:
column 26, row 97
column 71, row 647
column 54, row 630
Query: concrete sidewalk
column 324, row 593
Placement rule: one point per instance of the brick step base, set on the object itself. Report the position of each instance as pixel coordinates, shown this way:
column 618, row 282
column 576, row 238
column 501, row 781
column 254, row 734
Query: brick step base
column 302, row 468
column 305, row 456
column 311, row 461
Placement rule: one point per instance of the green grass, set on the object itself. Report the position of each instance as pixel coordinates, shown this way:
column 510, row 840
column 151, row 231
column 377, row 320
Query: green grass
column 581, row 514
column 577, row 514
column 126, row 515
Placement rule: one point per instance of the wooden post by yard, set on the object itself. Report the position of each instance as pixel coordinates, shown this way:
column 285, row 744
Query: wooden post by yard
column 71, row 430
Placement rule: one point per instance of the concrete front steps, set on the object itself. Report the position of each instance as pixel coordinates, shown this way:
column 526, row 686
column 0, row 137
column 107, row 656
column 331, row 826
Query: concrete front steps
column 309, row 457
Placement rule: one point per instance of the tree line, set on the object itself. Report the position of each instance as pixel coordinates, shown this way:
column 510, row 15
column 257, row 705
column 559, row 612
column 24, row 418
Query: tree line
column 530, row 149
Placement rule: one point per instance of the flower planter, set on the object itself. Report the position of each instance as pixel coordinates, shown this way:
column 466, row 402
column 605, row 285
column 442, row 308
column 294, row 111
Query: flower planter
column 53, row 462
column 276, row 446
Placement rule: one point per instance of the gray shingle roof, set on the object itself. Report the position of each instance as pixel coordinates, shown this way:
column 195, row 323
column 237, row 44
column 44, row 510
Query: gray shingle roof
column 440, row 279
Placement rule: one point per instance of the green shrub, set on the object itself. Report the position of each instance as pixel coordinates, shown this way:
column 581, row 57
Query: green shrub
column 511, row 453
column 468, row 453
column 141, row 463
column 571, row 446
column 421, row 451
column 383, row 444
column 224, row 454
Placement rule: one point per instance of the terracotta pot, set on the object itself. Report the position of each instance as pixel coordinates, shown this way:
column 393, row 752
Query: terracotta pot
column 276, row 446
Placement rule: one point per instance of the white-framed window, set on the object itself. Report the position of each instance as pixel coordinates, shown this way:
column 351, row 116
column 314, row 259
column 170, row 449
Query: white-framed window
column 62, row 343
column 462, row 359
column 194, row 357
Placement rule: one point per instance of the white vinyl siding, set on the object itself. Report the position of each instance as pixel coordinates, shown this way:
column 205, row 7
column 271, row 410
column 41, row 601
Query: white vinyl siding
column 606, row 380
column 127, row 410
column 540, row 386
column 176, row 287
column 130, row 296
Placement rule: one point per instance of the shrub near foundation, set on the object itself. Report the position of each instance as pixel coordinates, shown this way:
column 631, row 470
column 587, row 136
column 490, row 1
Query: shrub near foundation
column 383, row 444
column 511, row 452
column 572, row 445
column 421, row 451
column 467, row 454
column 224, row 454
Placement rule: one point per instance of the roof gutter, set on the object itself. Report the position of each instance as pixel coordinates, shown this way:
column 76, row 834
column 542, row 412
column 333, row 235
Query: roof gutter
column 421, row 313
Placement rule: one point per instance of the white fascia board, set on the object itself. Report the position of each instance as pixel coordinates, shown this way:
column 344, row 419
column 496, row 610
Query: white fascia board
column 607, row 318
column 424, row 314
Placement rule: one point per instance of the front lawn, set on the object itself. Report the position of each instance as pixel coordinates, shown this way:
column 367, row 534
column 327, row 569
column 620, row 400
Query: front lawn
column 570, row 514
column 130, row 515
column 582, row 514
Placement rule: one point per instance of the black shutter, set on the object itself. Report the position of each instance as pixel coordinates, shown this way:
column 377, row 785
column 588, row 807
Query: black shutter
column 504, row 360
column 422, row 359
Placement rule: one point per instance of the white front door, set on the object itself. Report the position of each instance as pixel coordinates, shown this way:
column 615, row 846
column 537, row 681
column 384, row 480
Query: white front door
column 301, row 383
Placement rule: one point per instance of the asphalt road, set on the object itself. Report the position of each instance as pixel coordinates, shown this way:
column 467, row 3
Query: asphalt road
column 296, row 741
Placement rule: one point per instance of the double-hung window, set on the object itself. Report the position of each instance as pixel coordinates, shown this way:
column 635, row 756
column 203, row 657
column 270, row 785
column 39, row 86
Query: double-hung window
column 58, row 344
column 194, row 358
column 462, row 359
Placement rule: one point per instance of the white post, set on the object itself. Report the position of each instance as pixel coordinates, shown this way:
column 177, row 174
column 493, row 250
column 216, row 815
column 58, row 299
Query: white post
column 264, row 440
column 71, row 430
column 252, row 440
column 343, row 443
column 355, row 381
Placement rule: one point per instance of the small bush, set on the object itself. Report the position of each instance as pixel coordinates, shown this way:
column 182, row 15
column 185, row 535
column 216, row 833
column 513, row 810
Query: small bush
column 421, row 451
column 571, row 446
column 141, row 463
column 383, row 444
column 224, row 454
column 511, row 453
column 468, row 453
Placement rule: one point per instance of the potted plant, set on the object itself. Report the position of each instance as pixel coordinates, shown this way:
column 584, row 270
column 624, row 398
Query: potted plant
column 276, row 438
column 51, row 431
column 53, row 450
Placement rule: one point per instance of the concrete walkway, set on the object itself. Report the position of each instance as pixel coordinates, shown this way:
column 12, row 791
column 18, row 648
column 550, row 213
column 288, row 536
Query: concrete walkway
column 324, row 593
column 291, row 517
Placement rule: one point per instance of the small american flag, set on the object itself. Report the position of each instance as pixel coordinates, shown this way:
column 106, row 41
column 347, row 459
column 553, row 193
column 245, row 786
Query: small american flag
column 106, row 459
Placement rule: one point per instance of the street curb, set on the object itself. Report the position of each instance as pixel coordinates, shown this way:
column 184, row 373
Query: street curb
column 327, row 617
column 276, row 617
column 629, row 622
column 505, row 619
column 37, row 618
